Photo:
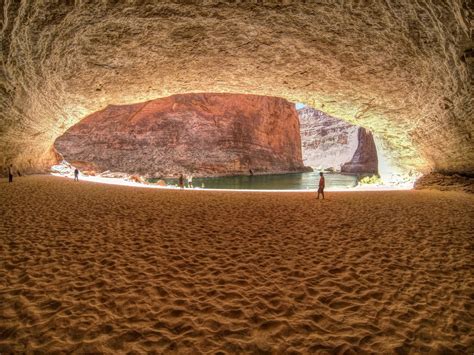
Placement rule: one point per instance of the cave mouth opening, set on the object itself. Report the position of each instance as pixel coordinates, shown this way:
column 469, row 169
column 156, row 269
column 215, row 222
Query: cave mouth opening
column 216, row 140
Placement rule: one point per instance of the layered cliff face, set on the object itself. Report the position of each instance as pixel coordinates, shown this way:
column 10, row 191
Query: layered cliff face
column 202, row 134
column 364, row 159
column 400, row 68
column 330, row 143
column 326, row 142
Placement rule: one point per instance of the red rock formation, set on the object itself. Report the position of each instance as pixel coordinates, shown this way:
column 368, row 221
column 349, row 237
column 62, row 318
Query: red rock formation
column 365, row 157
column 203, row 134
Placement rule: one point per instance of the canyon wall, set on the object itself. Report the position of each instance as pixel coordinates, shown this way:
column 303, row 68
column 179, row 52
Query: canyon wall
column 365, row 158
column 202, row 134
column 331, row 143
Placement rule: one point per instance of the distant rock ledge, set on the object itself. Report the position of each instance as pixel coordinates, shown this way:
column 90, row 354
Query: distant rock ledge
column 198, row 134
column 445, row 182
column 365, row 158
column 332, row 144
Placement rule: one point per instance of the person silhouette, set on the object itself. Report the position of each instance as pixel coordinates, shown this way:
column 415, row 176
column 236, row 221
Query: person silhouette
column 181, row 181
column 76, row 174
column 10, row 173
column 321, row 185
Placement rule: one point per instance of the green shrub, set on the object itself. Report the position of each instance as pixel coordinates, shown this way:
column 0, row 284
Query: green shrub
column 374, row 179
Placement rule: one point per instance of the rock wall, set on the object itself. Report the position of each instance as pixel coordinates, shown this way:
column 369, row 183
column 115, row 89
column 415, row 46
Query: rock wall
column 326, row 142
column 203, row 134
column 445, row 182
column 400, row 68
column 331, row 143
column 365, row 157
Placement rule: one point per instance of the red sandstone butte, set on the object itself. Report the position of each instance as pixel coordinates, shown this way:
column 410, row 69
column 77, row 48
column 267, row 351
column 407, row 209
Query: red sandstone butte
column 202, row 134
column 365, row 157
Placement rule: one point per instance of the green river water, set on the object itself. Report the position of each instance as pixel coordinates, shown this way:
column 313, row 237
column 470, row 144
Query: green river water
column 295, row 181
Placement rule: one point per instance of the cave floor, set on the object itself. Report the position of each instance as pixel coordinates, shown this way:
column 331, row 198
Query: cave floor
column 100, row 268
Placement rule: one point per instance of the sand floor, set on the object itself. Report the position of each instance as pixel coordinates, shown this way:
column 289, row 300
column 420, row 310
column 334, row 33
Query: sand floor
column 100, row 268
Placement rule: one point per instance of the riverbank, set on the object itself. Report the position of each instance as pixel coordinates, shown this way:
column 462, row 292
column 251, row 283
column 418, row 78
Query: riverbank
column 102, row 268
column 198, row 186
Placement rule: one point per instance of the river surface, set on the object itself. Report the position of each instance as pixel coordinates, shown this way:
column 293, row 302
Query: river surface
column 296, row 181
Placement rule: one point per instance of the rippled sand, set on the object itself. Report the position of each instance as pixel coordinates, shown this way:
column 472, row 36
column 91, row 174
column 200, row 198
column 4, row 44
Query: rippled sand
column 99, row 268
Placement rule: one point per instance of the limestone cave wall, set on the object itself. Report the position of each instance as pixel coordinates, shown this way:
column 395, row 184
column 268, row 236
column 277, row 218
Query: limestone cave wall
column 401, row 68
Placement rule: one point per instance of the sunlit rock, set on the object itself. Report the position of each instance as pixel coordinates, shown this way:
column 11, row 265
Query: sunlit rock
column 136, row 178
column 326, row 142
column 364, row 159
column 202, row 134
column 330, row 143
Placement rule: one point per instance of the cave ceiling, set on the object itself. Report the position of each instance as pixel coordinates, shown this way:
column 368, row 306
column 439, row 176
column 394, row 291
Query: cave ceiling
column 401, row 68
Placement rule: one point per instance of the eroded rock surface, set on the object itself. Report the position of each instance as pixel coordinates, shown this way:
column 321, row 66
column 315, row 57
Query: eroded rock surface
column 401, row 68
column 445, row 182
column 330, row 143
column 326, row 142
column 202, row 134
column 365, row 157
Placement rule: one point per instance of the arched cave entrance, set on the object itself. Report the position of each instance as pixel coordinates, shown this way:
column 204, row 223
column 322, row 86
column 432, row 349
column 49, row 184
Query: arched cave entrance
column 211, row 134
column 389, row 67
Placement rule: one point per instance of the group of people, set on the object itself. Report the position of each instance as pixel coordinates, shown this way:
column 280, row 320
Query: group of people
column 181, row 181
column 11, row 171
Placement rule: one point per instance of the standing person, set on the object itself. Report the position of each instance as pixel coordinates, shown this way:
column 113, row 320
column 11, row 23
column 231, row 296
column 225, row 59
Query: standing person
column 190, row 181
column 181, row 181
column 10, row 173
column 76, row 175
column 321, row 185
